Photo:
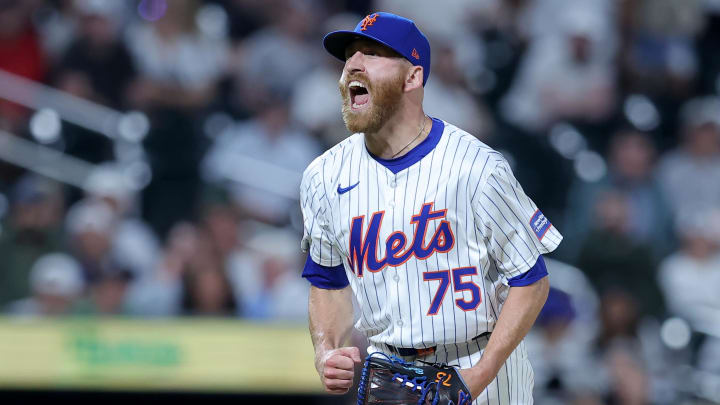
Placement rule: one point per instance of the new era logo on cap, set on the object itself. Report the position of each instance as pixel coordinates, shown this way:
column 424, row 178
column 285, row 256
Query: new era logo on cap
column 397, row 33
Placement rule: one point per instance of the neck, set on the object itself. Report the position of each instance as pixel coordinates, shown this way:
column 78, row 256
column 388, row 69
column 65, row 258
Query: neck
column 399, row 135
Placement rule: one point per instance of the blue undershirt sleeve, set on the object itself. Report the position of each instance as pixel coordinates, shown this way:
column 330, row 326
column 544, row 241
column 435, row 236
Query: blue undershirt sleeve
column 327, row 278
column 536, row 272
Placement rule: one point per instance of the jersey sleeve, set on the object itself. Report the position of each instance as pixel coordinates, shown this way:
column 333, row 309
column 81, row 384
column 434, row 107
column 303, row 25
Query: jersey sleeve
column 317, row 238
column 515, row 231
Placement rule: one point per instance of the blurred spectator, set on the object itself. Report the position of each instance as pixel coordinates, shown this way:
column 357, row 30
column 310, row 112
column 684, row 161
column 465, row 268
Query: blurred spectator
column 456, row 30
column 630, row 382
column 535, row 14
column 206, row 287
column 560, row 347
column 246, row 17
column 457, row 16
column 708, row 37
column 57, row 24
column 658, row 55
column 690, row 277
column 567, row 75
column 134, row 245
column 179, row 70
column 323, row 119
column 179, row 65
column 560, row 343
column 276, row 56
column 266, row 152
column 583, row 296
column 612, row 259
column 221, row 226
column 91, row 229
column 618, row 345
column 32, row 229
column 503, row 45
column 191, row 275
column 90, row 226
column 20, row 53
column 626, row 350
column 689, row 173
column 97, row 66
column 631, row 162
column 266, row 276
column 447, row 98
column 109, row 292
column 160, row 292
column 689, row 280
column 57, row 285
column 208, row 292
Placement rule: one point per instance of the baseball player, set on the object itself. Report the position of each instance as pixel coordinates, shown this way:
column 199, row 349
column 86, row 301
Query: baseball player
column 425, row 225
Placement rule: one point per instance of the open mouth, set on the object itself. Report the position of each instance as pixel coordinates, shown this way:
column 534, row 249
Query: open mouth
column 359, row 95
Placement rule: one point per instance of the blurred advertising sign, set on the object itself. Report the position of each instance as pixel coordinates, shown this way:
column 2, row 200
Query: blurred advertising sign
column 168, row 354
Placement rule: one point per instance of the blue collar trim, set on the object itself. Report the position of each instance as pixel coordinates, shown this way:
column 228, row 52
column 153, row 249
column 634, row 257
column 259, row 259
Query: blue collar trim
column 423, row 149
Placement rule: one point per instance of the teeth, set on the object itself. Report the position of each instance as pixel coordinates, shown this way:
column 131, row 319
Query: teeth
column 356, row 83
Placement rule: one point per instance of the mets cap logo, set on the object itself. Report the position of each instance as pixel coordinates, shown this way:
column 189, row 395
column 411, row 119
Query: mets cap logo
column 415, row 54
column 368, row 21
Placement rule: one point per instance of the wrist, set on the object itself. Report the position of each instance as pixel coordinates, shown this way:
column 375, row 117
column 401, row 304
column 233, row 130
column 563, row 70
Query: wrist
column 322, row 352
column 478, row 377
column 320, row 356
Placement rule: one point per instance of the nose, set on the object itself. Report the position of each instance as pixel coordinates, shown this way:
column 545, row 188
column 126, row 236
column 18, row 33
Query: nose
column 355, row 63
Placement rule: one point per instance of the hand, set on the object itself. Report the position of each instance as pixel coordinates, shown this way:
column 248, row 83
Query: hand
column 337, row 369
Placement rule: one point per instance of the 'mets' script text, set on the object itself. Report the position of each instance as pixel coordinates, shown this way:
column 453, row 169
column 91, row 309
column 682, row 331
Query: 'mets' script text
column 363, row 248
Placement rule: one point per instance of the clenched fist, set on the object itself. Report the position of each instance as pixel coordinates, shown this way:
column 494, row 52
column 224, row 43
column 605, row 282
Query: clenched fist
column 337, row 368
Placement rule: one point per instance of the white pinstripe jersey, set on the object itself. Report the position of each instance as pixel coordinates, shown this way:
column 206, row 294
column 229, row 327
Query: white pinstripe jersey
column 428, row 250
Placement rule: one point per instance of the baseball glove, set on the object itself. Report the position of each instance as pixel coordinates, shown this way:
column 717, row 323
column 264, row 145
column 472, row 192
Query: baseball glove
column 390, row 380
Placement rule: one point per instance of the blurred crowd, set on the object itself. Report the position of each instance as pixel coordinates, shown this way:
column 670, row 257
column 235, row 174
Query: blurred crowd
column 608, row 112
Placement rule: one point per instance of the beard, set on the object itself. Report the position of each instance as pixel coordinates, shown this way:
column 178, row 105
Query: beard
column 385, row 97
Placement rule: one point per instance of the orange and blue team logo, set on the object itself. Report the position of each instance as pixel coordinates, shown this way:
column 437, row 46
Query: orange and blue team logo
column 368, row 21
column 415, row 54
column 539, row 224
column 363, row 248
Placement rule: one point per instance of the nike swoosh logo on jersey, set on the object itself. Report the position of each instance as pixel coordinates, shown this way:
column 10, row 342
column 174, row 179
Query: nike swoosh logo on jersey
column 341, row 190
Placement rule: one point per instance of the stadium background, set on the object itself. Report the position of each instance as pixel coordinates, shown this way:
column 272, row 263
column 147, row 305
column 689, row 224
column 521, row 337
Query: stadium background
column 150, row 154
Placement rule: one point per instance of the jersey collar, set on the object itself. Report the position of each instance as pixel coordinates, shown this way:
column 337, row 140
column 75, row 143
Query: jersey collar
column 418, row 152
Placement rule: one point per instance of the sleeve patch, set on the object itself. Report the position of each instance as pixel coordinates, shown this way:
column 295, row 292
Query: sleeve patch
column 539, row 224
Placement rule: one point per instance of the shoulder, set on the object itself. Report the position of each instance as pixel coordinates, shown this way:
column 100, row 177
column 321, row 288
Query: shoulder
column 480, row 159
column 325, row 167
column 472, row 143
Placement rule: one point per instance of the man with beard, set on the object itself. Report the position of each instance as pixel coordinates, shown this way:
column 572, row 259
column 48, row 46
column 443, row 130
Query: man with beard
column 407, row 208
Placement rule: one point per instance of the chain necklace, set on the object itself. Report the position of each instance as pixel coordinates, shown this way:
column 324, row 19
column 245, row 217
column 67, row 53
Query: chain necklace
column 414, row 139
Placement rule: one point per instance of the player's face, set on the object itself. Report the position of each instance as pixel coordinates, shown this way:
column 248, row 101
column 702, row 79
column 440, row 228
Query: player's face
column 371, row 85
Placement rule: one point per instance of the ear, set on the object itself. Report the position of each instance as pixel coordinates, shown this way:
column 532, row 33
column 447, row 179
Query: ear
column 414, row 78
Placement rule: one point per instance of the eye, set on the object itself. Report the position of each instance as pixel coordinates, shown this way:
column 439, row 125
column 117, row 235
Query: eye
column 349, row 55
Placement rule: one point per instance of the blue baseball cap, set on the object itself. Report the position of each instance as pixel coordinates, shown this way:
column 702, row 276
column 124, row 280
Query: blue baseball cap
column 395, row 32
